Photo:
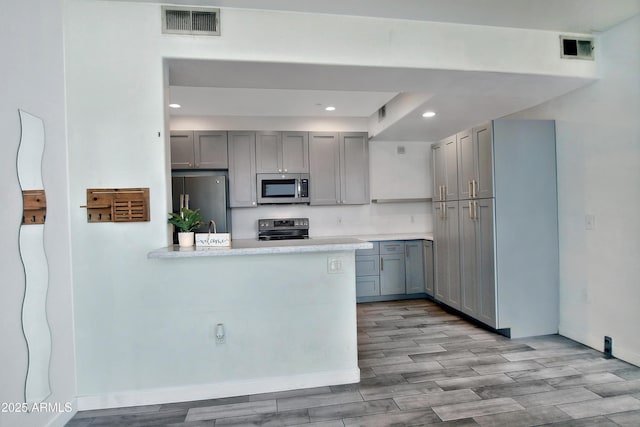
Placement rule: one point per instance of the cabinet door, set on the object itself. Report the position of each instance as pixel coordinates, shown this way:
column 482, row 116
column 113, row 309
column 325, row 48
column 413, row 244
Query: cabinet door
column 446, row 256
column 242, row 169
column 295, row 152
column 210, row 149
column 428, row 267
column 486, row 311
column 453, row 246
column 324, row 168
column 182, row 154
column 439, row 171
column 467, row 165
column 392, row 274
column 441, row 253
column 268, row 152
column 483, row 140
column 469, row 280
column 367, row 265
column 451, row 168
column 414, row 267
column 354, row 168
column 367, row 286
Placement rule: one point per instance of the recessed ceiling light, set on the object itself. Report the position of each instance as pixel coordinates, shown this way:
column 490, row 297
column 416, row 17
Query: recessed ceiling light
column 330, row 108
column 428, row 114
column 175, row 105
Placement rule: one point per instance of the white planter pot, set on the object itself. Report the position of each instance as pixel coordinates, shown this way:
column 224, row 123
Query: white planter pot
column 186, row 239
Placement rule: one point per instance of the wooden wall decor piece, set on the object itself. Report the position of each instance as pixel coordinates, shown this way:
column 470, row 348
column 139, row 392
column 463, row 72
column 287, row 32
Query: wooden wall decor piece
column 117, row 204
column 34, row 204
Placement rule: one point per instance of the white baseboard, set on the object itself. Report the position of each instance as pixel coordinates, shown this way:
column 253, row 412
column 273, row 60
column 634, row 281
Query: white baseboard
column 217, row 390
column 620, row 351
column 64, row 417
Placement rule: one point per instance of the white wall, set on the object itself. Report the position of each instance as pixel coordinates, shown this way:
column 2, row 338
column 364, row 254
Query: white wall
column 31, row 78
column 598, row 146
column 115, row 107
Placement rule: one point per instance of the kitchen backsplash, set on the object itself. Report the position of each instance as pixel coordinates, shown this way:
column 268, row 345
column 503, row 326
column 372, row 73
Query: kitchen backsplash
column 340, row 220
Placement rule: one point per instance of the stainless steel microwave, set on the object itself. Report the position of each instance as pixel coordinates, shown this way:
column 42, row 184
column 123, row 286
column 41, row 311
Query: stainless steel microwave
column 283, row 188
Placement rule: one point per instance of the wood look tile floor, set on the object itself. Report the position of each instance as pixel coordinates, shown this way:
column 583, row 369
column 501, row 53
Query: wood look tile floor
column 423, row 366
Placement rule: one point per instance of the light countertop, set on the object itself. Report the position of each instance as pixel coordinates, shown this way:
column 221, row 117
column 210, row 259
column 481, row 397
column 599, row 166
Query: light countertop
column 394, row 236
column 258, row 247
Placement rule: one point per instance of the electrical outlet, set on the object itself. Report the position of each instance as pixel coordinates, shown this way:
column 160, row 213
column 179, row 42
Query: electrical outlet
column 334, row 265
column 220, row 333
column 608, row 347
column 589, row 222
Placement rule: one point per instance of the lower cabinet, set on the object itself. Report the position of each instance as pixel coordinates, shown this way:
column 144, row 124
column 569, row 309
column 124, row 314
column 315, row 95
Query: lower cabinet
column 393, row 270
column 414, row 267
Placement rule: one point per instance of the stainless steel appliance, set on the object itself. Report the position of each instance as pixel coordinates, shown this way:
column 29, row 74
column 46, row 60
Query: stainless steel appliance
column 283, row 188
column 206, row 191
column 283, row 228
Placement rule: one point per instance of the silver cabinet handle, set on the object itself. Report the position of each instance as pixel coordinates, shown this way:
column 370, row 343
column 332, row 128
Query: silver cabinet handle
column 470, row 210
column 475, row 210
column 381, row 264
column 475, row 188
column 444, row 210
column 470, row 188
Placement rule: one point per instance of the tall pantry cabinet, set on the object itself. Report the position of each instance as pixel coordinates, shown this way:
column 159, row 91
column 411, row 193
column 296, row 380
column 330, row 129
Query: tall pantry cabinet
column 496, row 232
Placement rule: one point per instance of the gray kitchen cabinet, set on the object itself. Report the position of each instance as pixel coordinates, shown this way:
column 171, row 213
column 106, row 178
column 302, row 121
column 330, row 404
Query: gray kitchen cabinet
column 324, row 168
column 445, row 169
column 414, row 267
column 242, row 169
column 392, row 268
column 477, row 272
column 282, row 152
column 447, row 253
column 199, row 150
column 182, row 154
column 368, row 271
column 475, row 163
column 354, row 168
column 339, row 168
column 428, row 267
column 507, row 242
column 367, row 275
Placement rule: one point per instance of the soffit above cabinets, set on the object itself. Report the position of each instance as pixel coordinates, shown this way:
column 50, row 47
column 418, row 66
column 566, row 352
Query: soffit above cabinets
column 460, row 98
column 578, row 16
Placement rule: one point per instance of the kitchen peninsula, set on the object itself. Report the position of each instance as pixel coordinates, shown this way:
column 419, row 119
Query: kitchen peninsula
column 288, row 310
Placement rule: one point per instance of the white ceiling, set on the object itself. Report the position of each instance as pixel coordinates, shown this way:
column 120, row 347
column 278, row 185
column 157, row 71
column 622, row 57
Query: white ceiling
column 462, row 99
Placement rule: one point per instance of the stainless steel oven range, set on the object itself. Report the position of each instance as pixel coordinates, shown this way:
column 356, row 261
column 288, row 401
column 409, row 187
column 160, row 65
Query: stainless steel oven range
column 283, row 228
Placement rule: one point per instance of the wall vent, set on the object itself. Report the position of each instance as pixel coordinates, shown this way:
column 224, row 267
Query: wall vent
column 576, row 48
column 197, row 21
column 382, row 113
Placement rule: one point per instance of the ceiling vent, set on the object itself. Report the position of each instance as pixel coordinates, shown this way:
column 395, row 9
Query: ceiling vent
column 197, row 21
column 576, row 47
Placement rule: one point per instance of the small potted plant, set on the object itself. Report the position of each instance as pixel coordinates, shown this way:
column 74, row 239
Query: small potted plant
column 187, row 221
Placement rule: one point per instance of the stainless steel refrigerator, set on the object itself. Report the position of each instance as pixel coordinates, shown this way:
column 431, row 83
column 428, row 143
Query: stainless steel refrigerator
column 208, row 192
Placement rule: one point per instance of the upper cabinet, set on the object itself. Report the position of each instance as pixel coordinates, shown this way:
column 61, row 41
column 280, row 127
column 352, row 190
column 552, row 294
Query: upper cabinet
column 445, row 169
column 282, row 152
column 339, row 168
column 475, row 163
column 242, row 169
column 199, row 150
